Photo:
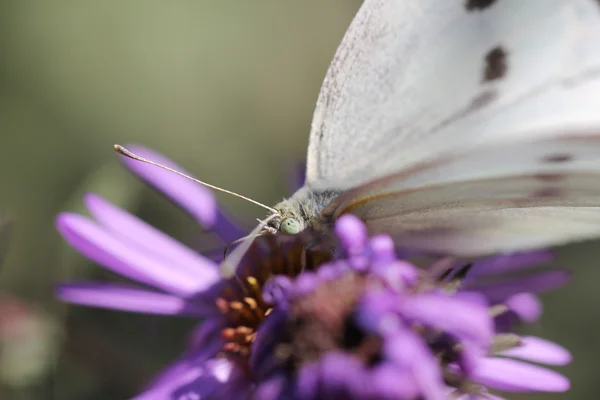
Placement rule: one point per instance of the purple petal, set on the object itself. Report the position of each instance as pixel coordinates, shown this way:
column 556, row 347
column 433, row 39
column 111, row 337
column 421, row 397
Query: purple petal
column 338, row 374
column 352, row 232
column 206, row 336
column 516, row 376
column 463, row 319
column 527, row 306
column 146, row 237
column 307, row 383
column 508, row 263
column 125, row 259
column 535, row 283
column 397, row 274
column 383, row 248
column 273, row 388
column 377, row 312
column 228, row 228
column 469, row 357
column 331, row 271
column 193, row 197
column 263, row 360
column 121, row 297
column 305, row 283
column 276, row 290
column 204, row 381
column 540, row 351
column 487, row 396
column 387, row 382
column 173, row 371
column 473, row 297
column 164, row 391
column 408, row 352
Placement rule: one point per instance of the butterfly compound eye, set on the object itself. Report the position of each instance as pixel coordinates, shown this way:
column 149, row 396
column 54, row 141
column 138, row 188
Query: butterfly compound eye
column 290, row 226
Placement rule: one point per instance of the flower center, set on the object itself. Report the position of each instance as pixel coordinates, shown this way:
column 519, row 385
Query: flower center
column 323, row 322
column 241, row 299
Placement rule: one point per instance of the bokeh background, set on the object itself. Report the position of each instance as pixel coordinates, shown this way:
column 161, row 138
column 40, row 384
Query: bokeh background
column 227, row 90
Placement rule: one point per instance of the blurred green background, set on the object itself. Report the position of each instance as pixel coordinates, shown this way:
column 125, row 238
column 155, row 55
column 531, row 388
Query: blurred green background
column 227, row 90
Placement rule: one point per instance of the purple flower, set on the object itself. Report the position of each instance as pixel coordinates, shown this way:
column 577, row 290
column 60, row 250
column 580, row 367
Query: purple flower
column 366, row 325
column 172, row 279
column 372, row 327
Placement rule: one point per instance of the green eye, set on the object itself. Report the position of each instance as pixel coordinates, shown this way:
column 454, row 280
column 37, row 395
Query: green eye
column 290, row 226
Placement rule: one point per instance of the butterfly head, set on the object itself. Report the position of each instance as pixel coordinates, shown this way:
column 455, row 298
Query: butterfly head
column 289, row 219
column 300, row 211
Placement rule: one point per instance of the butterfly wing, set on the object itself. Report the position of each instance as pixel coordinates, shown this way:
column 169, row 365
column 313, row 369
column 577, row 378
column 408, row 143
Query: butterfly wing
column 501, row 198
column 416, row 80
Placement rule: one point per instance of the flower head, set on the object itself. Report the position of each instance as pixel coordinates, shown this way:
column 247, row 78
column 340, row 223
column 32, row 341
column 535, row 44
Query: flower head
column 169, row 278
column 371, row 326
column 296, row 324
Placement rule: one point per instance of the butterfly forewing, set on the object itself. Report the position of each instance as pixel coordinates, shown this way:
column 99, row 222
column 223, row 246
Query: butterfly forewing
column 416, row 80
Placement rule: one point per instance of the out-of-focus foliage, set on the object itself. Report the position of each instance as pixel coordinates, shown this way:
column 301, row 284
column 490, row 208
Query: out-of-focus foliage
column 225, row 88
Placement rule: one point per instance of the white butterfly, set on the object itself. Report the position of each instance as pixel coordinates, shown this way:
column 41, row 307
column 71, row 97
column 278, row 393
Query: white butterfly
column 462, row 127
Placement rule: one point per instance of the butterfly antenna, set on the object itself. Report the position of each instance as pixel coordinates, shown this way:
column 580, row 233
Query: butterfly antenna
column 123, row 151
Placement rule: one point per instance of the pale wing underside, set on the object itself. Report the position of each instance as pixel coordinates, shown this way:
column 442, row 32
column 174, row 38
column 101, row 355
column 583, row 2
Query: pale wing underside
column 473, row 234
column 415, row 80
column 505, row 198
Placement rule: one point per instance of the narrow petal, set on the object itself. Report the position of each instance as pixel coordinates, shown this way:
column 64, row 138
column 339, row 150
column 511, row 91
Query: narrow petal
column 305, row 284
column 276, row 290
column 221, row 379
column 262, row 362
column 94, row 242
column 469, row 356
column 540, row 351
column 527, row 306
column 464, row 319
column 509, row 263
column 408, row 352
column 351, row 232
column 307, row 382
column 387, row 382
column 147, row 237
column 209, row 380
column 473, row 297
column 121, row 297
column 193, row 197
column 535, row 283
column 228, row 228
column 338, row 374
column 486, row 396
column 207, row 334
column 179, row 367
column 274, row 388
column 516, row 376
column 376, row 312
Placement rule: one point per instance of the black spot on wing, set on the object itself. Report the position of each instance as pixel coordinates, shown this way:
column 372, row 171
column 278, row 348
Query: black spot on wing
column 478, row 5
column 557, row 158
column 495, row 64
